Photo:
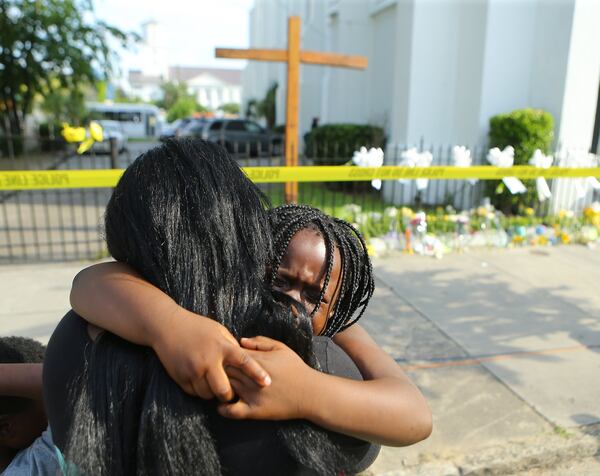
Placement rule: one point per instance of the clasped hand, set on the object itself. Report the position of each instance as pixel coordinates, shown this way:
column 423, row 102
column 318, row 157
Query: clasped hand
column 205, row 360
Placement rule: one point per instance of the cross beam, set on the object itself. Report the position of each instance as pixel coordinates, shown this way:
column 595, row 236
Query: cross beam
column 293, row 56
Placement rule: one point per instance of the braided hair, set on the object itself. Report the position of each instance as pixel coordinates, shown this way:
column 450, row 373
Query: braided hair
column 357, row 284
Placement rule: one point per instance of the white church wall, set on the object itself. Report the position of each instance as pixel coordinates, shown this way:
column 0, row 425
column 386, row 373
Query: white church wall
column 576, row 122
column 583, row 70
column 466, row 96
column 508, row 57
column 380, row 71
column 400, row 95
column 433, row 67
column 549, row 64
column 345, row 91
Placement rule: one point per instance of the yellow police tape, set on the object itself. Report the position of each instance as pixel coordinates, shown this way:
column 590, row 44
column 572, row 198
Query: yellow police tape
column 51, row 179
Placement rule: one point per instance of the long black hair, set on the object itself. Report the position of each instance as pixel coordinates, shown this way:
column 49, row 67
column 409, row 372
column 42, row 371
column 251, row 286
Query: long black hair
column 188, row 220
column 357, row 283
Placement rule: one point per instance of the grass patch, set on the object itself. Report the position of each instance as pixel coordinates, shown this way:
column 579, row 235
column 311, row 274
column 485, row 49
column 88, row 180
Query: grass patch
column 562, row 432
column 329, row 200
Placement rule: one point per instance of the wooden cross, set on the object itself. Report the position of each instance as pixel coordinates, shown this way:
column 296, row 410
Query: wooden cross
column 293, row 56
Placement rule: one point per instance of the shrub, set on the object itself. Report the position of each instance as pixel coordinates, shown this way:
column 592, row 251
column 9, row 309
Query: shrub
column 50, row 137
column 334, row 144
column 526, row 130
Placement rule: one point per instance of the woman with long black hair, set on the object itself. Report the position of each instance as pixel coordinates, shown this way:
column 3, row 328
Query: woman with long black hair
column 186, row 219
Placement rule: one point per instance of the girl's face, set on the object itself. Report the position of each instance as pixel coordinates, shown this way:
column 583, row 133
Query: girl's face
column 302, row 273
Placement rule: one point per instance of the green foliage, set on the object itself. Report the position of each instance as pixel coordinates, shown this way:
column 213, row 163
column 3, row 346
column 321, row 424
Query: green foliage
column 251, row 109
column 266, row 108
column 63, row 105
column 183, row 107
column 279, row 129
column 172, row 91
column 101, row 90
column 230, row 108
column 178, row 102
column 122, row 97
column 334, row 144
column 526, row 130
column 49, row 41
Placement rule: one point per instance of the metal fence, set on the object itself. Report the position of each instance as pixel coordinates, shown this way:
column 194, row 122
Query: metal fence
column 63, row 225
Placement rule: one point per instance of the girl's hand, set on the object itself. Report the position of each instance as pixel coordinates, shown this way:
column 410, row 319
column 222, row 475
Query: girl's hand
column 288, row 395
column 195, row 350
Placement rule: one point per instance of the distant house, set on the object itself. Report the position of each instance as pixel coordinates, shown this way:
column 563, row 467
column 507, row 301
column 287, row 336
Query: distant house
column 212, row 87
column 145, row 87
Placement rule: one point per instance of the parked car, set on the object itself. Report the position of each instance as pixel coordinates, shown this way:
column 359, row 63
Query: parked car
column 193, row 128
column 240, row 136
column 173, row 129
column 110, row 129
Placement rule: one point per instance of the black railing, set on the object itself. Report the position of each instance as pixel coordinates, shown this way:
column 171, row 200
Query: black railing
column 62, row 225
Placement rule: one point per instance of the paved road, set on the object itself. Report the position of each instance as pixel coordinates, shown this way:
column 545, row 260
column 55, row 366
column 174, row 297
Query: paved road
column 505, row 344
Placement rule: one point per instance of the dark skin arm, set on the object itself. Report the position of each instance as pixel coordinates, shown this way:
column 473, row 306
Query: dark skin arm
column 21, row 380
column 386, row 408
column 112, row 296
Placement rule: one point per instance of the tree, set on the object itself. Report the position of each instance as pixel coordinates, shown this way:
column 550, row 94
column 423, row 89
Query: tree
column 171, row 92
column 265, row 108
column 63, row 105
column 184, row 107
column 230, row 108
column 252, row 109
column 49, row 45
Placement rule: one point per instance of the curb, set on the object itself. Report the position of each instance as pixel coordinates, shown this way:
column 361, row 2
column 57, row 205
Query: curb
column 510, row 458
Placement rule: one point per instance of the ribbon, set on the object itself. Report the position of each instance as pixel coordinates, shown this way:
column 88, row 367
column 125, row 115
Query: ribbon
column 413, row 158
column 541, row 161
column 461, row 157
column 86, row 138
column 505, row 159
column 371, row 158
column 583, row 160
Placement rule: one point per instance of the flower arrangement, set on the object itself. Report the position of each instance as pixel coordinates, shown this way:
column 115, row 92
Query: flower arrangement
column 442, row 230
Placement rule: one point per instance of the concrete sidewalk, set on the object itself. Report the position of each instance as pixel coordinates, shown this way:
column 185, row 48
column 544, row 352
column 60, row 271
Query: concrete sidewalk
column 506, row 347
column 504, row 344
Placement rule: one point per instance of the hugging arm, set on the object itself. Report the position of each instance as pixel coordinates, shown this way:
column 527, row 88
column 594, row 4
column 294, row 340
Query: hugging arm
column 21, row 380
column 385, row 408
column 193, row 349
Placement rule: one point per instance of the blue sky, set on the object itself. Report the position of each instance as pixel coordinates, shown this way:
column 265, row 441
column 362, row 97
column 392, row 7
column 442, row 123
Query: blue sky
column 193, row 28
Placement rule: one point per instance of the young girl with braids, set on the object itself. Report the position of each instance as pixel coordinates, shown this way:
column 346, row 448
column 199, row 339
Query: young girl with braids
column 319, row 261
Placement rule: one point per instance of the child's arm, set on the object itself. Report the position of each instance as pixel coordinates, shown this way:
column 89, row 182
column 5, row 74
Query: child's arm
column 385, row 408
column 21, row 380
column 194, row 349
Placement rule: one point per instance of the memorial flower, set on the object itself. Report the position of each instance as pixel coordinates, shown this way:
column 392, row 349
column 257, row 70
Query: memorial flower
column 461, row 157
column 541, row 161
column 369, row 158
column 413, row 158
column 505, row 159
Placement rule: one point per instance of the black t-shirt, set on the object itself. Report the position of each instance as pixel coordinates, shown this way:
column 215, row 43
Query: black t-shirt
column 245, row 447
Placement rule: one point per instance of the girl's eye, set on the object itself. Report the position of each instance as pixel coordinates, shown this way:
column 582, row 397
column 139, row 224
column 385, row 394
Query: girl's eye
column 312, row 298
